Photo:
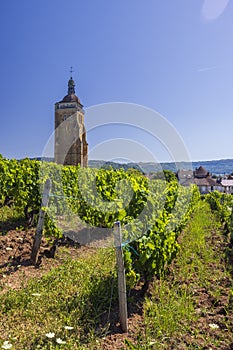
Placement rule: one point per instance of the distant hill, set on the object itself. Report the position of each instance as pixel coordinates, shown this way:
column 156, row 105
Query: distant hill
column 44, row 159
column 217, row 167
column 106, row 165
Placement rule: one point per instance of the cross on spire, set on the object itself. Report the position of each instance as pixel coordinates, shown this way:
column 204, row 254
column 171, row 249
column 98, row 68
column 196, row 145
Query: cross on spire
column 71, row 84
column 71, row 71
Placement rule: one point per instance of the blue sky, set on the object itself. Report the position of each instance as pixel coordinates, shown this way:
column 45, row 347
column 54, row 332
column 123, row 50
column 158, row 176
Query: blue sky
column 172, row 56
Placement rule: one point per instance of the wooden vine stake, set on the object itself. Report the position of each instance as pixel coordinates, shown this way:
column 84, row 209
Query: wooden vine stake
column 39, row 229
column 121, row 277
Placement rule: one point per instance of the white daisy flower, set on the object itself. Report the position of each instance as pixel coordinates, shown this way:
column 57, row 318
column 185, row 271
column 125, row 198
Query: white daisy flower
column 50, row 335
column 60, row 341
column 69, row 327
column 213, row 326
column 6, row 345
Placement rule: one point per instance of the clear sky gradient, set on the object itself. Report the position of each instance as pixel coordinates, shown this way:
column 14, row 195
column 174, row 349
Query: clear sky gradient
column 173, row 56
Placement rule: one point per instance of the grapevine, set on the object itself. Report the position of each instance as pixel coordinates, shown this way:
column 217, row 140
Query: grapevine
column 99, row 197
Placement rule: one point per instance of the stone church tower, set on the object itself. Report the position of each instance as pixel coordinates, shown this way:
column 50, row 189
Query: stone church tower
column 71, row 147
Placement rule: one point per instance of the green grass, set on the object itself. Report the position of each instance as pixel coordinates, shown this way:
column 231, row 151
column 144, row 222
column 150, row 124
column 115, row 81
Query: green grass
column 75, row 294
column 170, row 312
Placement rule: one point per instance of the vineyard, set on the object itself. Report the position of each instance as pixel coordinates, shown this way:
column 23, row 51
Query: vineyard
column 152, row 213
column 85, row 203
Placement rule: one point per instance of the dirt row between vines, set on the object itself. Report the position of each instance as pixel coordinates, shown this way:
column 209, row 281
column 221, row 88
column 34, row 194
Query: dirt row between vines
column 15, row 251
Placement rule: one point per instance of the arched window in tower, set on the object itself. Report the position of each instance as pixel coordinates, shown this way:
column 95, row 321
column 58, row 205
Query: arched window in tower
column 64, row 117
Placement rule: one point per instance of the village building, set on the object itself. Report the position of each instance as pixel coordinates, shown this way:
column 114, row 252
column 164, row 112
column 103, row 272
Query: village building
column 185, row 177
column 71, row 147
column 204, row 181
column 227, row 185
column 201, row 177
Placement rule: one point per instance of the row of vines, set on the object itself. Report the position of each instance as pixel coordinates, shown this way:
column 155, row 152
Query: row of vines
column 152, row 212
column 222, row 205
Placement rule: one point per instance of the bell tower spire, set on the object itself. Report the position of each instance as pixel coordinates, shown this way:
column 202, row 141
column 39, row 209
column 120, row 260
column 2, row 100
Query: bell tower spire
column 71, row 84
column 71, row 147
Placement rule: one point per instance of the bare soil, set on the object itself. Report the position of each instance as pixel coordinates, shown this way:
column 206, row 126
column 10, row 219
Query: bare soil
column 15, row 252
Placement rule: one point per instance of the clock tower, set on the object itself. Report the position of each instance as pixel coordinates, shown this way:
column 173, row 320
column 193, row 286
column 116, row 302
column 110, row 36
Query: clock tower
column 71, row 147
